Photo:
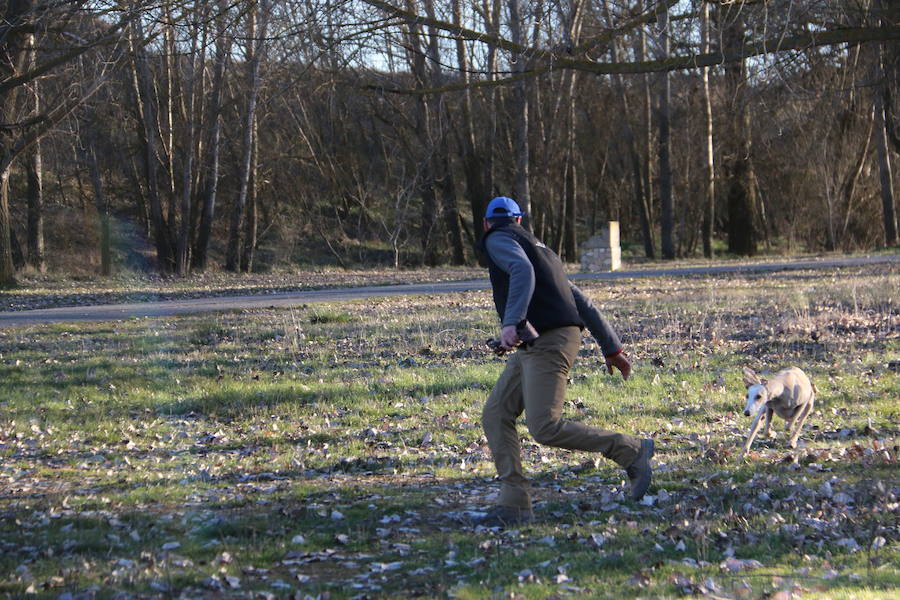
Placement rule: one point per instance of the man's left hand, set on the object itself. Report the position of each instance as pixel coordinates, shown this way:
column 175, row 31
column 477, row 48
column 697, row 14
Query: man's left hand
column 619, row 361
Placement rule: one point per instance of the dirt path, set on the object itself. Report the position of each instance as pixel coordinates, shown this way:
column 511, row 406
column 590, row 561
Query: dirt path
column 112, row 312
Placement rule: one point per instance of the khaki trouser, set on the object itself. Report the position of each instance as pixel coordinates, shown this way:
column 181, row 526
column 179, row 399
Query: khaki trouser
column 534, row 380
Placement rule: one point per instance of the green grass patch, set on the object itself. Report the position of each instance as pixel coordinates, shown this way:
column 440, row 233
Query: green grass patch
column 338, row 450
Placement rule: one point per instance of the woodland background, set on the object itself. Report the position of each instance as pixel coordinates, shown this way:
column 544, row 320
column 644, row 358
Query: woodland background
column 245, row 134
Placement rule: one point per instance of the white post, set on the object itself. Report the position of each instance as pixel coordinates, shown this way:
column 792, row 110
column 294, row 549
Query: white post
column 602, row 252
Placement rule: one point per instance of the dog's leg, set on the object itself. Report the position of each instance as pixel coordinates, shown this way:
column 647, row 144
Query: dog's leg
column 799, row 415
column 793, row 420
column 802, row 418
column 769, row 412
column 757, row 422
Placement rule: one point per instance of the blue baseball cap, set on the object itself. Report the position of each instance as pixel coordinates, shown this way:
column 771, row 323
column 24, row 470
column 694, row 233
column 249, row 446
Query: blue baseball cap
column 502, row 207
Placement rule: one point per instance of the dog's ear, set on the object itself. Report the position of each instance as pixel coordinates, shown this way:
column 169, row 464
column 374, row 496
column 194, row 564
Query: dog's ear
column 750, row 377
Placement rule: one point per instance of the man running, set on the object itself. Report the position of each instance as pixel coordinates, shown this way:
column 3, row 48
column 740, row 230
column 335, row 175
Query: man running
column 532, row 294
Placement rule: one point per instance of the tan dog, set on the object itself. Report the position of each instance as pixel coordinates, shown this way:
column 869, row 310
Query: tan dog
column 789, row 394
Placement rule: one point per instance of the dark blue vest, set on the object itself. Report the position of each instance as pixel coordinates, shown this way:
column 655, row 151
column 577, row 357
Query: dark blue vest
column 552, row 304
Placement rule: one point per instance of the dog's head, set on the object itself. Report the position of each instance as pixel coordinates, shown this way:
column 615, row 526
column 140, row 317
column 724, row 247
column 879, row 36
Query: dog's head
column 757, row 394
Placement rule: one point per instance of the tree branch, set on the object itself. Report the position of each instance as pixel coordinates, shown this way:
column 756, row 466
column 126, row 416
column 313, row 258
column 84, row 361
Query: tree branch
column 851, row 35
column 107, row 36
column 503, row 43
column 49, row 120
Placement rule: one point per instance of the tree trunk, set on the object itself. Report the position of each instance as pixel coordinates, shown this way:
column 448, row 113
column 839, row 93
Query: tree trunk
column 473, row 165
column 570, row 241
column 667, row 201
column 741, row 229
column 570, row 186
column 13, row 57
column 493, row 9
column 252, row 220
column 167, row 111
column 451, row 214
column 646, row 209
column 572, row 20
column 519, row 117
column 148, row 132
column 848, row 186
column 546, row 213
column 34, row 174
column 642, row 195
column 738, row 166
column 7, row 270
column 888, row 212
column 200, row 255
column 425, row 160
column 438, row 136
column 256, row 42
column 89, row 158
column 34, row 168
column 709, row 212
column 183, row 243
column 885, row 174
column 140, row 194
column 17, row 254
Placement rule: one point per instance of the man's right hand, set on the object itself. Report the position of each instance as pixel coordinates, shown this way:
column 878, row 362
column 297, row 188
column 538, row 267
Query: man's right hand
column 509, row 339
column 619, row 361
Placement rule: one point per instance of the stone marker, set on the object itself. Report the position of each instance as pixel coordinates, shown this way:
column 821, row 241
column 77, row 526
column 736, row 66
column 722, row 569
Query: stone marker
column 602, row 252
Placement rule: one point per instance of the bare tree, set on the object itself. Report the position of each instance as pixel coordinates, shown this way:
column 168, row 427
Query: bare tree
column 189, row 149
column 888, row 211
column 148, row 132
column 257, row 25
column 738, row 161
column 485, row 103
column 213, row 127
column 21, row 126
column 251, row 217
column 13, row 59
column 439, row 135
column 34, row 170
column 87, row 149
column 423, row 154
column 646, row 203
column 709, row 172
column 519, row 110
column 474, row 165
column 663, row 116
column 572, row 19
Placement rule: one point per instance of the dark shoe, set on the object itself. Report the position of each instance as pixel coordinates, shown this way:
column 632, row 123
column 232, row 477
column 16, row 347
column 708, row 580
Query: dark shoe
column 640, row 472
column 505, row 516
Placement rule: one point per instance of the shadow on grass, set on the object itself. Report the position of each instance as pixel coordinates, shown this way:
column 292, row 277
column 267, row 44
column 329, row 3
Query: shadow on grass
column 237, row 401
column 354, row 516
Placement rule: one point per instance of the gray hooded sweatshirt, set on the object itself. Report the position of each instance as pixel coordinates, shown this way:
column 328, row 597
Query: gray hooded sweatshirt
column 506, row 252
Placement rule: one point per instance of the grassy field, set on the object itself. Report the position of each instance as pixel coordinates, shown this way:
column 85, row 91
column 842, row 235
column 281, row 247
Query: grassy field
column 335, row 451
